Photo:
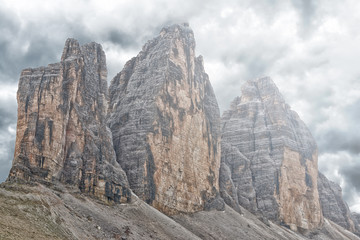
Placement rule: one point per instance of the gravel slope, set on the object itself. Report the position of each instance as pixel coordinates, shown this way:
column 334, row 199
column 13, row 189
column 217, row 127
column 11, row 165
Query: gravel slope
column 39, row 212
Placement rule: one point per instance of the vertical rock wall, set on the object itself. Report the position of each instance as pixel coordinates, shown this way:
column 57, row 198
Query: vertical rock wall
column 61, row 130
column 356, row 219
column 165, row 123
column 269, row 158
column 333, row 206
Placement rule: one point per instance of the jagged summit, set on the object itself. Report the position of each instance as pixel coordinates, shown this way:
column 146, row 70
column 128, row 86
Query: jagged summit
column 165, row 122
column 255, row 90
column 182, row 31
column 264, row 91
column 260, row 88
column 269, row 158
column 62, row 134
column 71, row 49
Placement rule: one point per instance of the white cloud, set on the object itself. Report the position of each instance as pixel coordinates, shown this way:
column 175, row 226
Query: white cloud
column 8, row 92
column 356, row 206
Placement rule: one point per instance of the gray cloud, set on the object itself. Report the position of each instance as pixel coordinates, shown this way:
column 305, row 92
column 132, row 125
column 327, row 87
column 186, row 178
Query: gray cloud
column 346, row 138
column 121, row 38
column 350, row 172
column 306, row 10
column 6, row 155
column 352, row 175
column 341, row 146
column 309, row 48
column 333, row 141
column 7, row 113
column 7, row 135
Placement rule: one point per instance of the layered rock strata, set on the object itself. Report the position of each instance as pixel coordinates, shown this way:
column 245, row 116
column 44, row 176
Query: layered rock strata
column 165, row 122
column 269, row 158
column 61, row 130
column 356, row 219
column 333, row 206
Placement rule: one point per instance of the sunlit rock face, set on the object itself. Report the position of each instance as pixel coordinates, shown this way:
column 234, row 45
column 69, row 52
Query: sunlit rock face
column 61, row 129
column 334, row 207
column 165, row 122
column 269, row 158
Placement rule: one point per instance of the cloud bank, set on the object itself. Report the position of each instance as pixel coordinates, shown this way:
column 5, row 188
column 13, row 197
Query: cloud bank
column 309, row 48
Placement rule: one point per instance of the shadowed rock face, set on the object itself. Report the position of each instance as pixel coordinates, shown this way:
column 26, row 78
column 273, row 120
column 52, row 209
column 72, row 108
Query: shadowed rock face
column 356, row 219
column 61, row 129
column 334, row 207
column 165, row 123
column 269, row 158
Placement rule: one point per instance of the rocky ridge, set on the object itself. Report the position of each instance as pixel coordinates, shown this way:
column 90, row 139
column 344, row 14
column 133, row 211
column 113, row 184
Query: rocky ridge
column 269, row 158
column 165, row 122
column 356, row 219
column 62, row 134
column 334, row 207
column 165, row 133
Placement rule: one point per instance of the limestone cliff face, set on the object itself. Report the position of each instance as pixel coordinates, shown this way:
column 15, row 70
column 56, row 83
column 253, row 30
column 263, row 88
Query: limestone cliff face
column 333, row 206
column 61, row 130
column 269, row 158
column 356, row 219
column 165, row 123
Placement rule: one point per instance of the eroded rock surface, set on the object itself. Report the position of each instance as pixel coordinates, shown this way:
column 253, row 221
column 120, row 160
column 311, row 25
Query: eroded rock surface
column 356, row 219
column 165, row 123
column 61, row 130
column 269, row 158
column 333, row 206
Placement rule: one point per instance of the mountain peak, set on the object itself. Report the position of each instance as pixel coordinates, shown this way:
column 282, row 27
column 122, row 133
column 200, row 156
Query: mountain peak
column 176, row 132
column 272, row 146
column 71, row 49
column 182, row 27
column 62, row 134
column 179, row 31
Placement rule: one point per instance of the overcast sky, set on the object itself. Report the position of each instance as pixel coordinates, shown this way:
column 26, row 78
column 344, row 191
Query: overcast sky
column 311, row 49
